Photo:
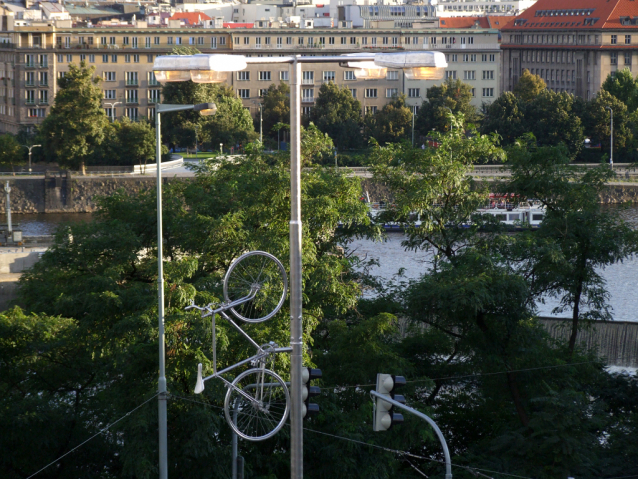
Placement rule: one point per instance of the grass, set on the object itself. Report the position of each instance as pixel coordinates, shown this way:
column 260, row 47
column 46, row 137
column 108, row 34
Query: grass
column 191, row 156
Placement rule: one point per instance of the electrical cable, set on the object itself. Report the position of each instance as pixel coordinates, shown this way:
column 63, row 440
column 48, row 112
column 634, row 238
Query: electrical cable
column 93, row 436
column 467, row 375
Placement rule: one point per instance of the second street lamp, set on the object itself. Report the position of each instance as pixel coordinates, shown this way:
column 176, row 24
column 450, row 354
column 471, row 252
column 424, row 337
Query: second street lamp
column 205, row 109
column 30, row 148
column 419, row 65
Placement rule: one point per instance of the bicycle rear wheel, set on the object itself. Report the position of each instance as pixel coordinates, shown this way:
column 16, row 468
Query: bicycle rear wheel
column 261, row 272
column 262, row 410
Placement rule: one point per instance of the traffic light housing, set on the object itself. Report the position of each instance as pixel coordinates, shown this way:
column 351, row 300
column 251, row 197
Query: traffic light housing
column 384, row 416
column 308, row 391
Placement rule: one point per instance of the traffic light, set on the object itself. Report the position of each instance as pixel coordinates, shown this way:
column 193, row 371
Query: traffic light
column 308, row 391
column 384, row 416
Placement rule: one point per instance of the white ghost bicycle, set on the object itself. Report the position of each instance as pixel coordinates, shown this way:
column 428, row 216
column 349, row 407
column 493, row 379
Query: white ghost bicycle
column 257, row 402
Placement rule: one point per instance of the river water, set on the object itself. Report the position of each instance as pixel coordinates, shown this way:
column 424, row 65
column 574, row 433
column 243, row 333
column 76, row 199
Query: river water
column 622, row 278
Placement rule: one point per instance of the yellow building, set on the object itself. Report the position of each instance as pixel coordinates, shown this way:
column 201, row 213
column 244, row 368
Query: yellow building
column 34, row 56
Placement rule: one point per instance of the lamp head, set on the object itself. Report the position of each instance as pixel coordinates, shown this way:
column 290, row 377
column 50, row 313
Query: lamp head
column 198, row 68
column 416, row 65
column 206, row 109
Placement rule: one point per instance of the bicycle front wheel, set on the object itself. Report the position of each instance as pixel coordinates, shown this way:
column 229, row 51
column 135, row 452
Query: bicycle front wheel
column 257, row 404
column 260, row 273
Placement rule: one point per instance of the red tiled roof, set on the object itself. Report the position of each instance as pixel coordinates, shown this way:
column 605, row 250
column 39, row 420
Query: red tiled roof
column 191, row 18
column 463, row 22
column 499, row 21
column 579, row 14
column 238, row 25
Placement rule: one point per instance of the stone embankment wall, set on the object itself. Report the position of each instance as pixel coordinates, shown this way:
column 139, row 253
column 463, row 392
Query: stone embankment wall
column 68, row 194
column 625, row 193
column 615, row 341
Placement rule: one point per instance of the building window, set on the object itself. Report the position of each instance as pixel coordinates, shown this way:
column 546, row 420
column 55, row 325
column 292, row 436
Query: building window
column 385, row 40
column 127, row 58
column 109, row 94
column 305, row 110
column 613, row 58
column 136, row 58
column 473, row 91
column 371, row 92
column 82, row 57
column 488, row 92
column 243, row 93
column 154, row 96
column 488, row 74
column 113, row 58
column 264, row 76
column 627, row 39
column 44, row 78
column 414, row 92
column 243, row 76
column 391, row 92
column 152, row 80
column 131, row 96
column 353, row 40
column 131, row 78
column 466, row 58
column 614, row 39
column 349, row 75
column 307, row 94
column 308, row 78
column 473, row 57
column 92, row 58
column 392, row 75
column 30, row 97
column 247, row 40
column 105, row 58
column 329, row 76
column 450, row 74
column 34, row 112
column 109, row 76
column 69, row 58
column 627, row 58
column 454, row 57
column 469, row 75
column 372, row 110
column 132, row 113
column 283, row 75
column 353, row 91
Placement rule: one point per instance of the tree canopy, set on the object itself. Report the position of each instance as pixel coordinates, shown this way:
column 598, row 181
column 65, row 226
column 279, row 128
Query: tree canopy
column 529, row 86
column 624, row 87
column 337, row 113
column 392, row 123
column 75, row 126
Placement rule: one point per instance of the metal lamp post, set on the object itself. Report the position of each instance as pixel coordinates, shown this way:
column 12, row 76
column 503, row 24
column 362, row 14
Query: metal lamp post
column 209, row 68
column 611, row 140
column 261, row 121
column 112, row 105
column 204, row 109
column 413, row 115
column 30, row 148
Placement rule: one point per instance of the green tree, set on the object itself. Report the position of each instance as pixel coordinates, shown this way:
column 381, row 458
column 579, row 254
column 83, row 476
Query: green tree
column 276, row 107
column 597, row 121
column 505, row 116
column 230, row 125
column 102, row 277
column 529, row 86
column 433, row 114
column 551, row 118
column 135, row 141
column 75, row 126
column 392, row 123
column 338, row 113
column 586, row 239
column 10, row 151
column 624, row 87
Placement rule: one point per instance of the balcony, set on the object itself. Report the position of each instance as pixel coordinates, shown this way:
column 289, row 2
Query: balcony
column 153, row 83
column 29, row 101
column 30, row 65
column 131, row 83
column 308, row 99
column 132, row 101
column 308, row 81
column 44, row 65
column 43, row 101
column 44, row 83
column 29, row 83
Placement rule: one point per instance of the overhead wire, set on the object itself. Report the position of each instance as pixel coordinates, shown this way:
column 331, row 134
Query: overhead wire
column 94, row 435
column 466, row 375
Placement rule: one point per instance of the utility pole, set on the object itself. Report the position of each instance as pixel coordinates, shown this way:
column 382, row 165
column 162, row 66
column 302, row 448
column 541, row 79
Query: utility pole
column 7, row 190
column 30, row 148
column 611, row 143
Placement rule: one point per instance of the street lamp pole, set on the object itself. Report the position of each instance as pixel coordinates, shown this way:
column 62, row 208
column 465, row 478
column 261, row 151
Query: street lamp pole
column 204, row 109
column 112, row 105
column 30, row 148
column 296, row 329
column 611, row 142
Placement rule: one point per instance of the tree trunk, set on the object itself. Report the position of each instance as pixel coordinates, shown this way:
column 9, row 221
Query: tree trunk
column 516, row 396
column 83, row 168
column 575, row 314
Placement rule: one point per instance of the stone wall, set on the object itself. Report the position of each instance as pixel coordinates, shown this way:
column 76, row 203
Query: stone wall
column 63, row 193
